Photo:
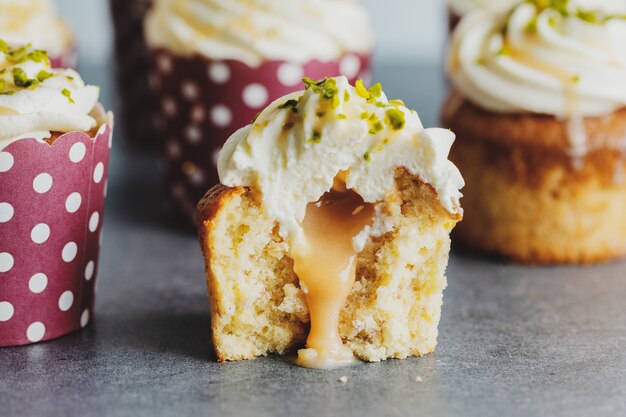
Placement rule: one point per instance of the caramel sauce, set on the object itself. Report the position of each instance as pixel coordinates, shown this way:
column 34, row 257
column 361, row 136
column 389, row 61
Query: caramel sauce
column 326, row 266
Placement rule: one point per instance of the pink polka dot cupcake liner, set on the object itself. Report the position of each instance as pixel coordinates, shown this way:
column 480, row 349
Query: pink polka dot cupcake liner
column 69, row 59
column 201, row 102
column 51, row 210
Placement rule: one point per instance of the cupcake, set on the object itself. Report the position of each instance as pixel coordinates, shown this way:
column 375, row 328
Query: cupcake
column 37, row 22
column 54, row 150
column 459, row 8
column 132, row 65
column 539, row 107
column 329, row 232
column 217, row 63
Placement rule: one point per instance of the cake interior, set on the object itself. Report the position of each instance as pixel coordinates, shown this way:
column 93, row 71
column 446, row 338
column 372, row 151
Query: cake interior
column 392, row 311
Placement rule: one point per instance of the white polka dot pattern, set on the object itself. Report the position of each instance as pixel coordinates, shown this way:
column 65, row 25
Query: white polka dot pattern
column 38, row 283
column 255, row 96
column 40, row 233
column 201, row 103
column 42, row 183
column 6, row 311
column 36, row 331
column 6, row 212
column 51, row 204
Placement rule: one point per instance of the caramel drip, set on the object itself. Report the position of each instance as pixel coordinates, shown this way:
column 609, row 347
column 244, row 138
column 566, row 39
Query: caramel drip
column 576, row 132
column 326, row 266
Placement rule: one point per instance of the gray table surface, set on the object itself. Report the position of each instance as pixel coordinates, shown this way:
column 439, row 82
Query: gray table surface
column 514, row 340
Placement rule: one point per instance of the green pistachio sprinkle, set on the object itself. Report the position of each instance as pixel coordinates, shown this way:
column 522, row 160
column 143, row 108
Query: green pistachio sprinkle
column 20, row 79
column 317, row 137
column 4, row 47
column 397, row 103
column 68, row 94
column 346, row 96
column 361, row 90
column 562, row 7
column 327, row 87
column 290, row 104
column 367, row 157
column 576, row 78
column 395, row 118
column 376, row 90
column 342, row 117
column 43, row 75
column 365, row 115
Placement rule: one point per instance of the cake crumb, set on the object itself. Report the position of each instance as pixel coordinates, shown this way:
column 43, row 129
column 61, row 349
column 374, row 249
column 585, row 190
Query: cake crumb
column 418, row 379
column 343, row 379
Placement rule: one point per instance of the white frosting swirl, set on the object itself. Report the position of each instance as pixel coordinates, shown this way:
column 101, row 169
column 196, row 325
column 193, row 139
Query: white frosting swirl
column 543, row 61
column 461, row 7
column 36, row 22
column 293, row 153
column 36, row 100
column 253, row 31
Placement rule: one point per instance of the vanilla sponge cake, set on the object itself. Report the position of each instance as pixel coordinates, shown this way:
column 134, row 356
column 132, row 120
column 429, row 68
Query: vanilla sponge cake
column 371, row 177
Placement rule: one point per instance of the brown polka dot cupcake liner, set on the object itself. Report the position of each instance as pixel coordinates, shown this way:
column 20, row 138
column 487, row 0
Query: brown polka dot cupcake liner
column 132, row 65
column 200, row 103
column 51, row 205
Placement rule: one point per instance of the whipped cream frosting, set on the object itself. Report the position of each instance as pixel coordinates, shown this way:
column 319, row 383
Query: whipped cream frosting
column 301, row 142
column 36, row 22
column 254, row 31
column 566, row 60
column 461, row 7
column 36, row 100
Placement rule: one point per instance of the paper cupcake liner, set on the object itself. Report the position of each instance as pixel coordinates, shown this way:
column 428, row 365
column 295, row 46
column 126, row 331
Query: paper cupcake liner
column 200, row 103
column 132, row 68
column 51, row 210
column 69, row 59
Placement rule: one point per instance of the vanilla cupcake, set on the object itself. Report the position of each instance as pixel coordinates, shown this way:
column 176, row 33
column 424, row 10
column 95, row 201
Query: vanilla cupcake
column 217, row 63
column 54, row 150
column 330, row 231
column 37, row 22
column 539, row 107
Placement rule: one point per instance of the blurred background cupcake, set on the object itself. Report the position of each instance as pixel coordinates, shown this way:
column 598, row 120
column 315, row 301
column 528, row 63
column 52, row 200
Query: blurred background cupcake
column 459, row 8
column 132, row 64
column 54, row 150
column 37, row 22
column 539, row 107
column 217, row 63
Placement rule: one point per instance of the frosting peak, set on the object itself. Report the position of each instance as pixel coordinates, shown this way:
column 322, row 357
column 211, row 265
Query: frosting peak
column 36, row 99
column 299, row 144
column 256, row 30
column 34, row 21
column 561, row 58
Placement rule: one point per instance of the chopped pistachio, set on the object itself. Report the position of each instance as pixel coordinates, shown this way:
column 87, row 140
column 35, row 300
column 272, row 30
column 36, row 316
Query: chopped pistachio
column 397, row 103
column 67, row 93
column 43, row 75
column 346, row 96
column 290, row 104
column 20, row 79
column 367, row 156
column 365, row 115
column 342, row 117
column 317, row 137
column 4, row 47
column 376, row 90
column 361, row 90
column 395, row 118
column 576, row 78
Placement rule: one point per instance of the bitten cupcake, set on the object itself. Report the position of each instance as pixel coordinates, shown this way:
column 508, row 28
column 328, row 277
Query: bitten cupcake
column 54, row 150
column 330, row 233
column 37, row 22
column 132, row 65
column 217, row 63
column 539, row 107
